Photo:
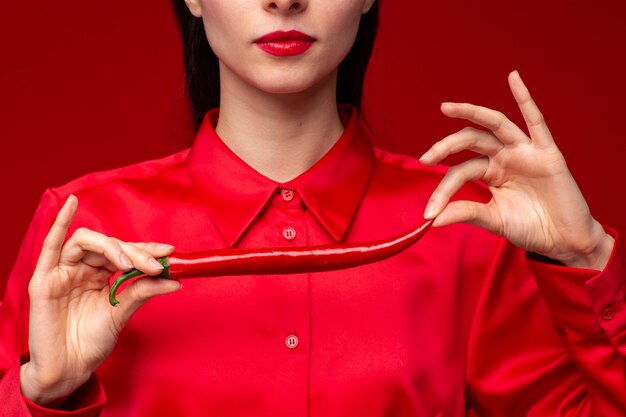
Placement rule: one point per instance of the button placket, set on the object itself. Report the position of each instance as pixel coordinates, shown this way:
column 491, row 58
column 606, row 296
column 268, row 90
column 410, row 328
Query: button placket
column 286, row 217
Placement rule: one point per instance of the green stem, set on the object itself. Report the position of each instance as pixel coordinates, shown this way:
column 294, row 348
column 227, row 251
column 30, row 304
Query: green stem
column 133, row 273
column 119, row 281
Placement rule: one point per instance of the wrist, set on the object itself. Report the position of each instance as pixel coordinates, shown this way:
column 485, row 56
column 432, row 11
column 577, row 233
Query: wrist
column 47, row 392
column 596, row 256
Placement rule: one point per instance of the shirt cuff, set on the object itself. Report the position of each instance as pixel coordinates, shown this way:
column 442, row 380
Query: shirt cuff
column 87, row 401
column 585, row 300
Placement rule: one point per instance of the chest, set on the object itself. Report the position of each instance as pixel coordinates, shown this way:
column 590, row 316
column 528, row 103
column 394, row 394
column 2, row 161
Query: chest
column 389, row 332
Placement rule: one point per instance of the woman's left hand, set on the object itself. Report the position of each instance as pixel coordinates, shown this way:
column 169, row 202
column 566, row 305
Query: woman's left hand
column 536, row 203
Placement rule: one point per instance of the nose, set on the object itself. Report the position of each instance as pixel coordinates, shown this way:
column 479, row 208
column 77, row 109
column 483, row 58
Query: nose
column 286, row 7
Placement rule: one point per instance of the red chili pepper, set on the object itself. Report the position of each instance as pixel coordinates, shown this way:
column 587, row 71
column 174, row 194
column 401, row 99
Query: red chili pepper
column 270, row 261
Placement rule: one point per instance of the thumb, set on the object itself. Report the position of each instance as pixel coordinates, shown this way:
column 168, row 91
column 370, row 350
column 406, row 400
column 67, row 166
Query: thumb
column 140, row 291
column 469, row 212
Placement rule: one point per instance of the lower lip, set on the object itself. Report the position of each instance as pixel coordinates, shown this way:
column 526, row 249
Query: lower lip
column 285, row 48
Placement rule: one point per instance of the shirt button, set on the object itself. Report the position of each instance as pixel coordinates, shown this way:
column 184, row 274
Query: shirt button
column 291, row 341
column 289, row 233
column 608, row 312
column 286, row 194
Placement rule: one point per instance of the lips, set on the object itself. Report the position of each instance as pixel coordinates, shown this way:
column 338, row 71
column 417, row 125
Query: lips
column 281, row 43
column 282, row 36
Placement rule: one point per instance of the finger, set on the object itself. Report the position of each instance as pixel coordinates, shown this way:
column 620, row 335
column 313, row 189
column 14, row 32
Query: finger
column 476, row 140
column 137, row 293
column 471, row 170
column 505, row 130
column 97, row 260
column 157, row 250
column 85, row 241
column 535, row 121
column 53, row 243
column 142, row 255
column 469, row 212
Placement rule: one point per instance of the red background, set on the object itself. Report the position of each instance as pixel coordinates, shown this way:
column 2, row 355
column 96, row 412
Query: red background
column 88, row 86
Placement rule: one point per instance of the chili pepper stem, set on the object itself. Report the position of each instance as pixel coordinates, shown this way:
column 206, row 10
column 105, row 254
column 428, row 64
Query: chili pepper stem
column 133, row 273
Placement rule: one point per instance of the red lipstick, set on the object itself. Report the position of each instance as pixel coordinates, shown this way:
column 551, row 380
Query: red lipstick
column 282, row 43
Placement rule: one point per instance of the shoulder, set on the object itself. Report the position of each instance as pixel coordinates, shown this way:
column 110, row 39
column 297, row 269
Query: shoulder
column 140, row 174
column 400, row 188
column 406, row 174
column 108, row 201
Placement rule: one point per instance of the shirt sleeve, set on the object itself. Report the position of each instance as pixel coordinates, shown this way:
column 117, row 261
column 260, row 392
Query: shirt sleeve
column 554, row 345
column 89, row 399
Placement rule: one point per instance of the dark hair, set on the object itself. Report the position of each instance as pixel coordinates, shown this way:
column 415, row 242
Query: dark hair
column 202, row 66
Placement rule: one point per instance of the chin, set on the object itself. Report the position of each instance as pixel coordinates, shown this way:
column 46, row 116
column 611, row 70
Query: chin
column 283, row 89
column 288, row 82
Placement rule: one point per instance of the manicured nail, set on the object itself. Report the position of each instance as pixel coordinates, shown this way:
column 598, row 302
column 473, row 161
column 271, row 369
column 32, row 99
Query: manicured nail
column 155, row 264
column 430, row 210
column 125, row 261
column 427, row 155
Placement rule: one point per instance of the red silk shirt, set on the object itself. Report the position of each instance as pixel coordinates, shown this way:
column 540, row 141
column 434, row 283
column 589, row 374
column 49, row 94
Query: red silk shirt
column 460, row 321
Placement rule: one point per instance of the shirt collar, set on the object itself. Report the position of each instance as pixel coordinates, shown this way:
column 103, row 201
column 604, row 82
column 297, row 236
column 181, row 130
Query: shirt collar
column 234, row 193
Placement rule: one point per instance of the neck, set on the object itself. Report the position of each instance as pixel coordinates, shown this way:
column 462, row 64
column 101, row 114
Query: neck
column 279, row 135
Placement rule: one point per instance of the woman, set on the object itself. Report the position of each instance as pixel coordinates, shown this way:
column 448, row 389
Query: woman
column 461, row 320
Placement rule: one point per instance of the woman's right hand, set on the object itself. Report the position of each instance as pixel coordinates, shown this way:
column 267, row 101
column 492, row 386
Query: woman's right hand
column 72, row 327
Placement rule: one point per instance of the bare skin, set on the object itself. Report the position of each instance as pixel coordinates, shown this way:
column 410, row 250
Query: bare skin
column 72, row 326
column 536, row 203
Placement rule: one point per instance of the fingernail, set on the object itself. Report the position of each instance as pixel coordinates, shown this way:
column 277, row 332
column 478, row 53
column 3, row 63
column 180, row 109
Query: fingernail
column 125, row 261
column 430, row 210
column 427, row 155
column 165, row 246
column 447, row 103
column 155, row 264
column 174, row 284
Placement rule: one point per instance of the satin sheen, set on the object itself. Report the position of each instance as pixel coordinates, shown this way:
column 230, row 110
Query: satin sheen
column 462, row 323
